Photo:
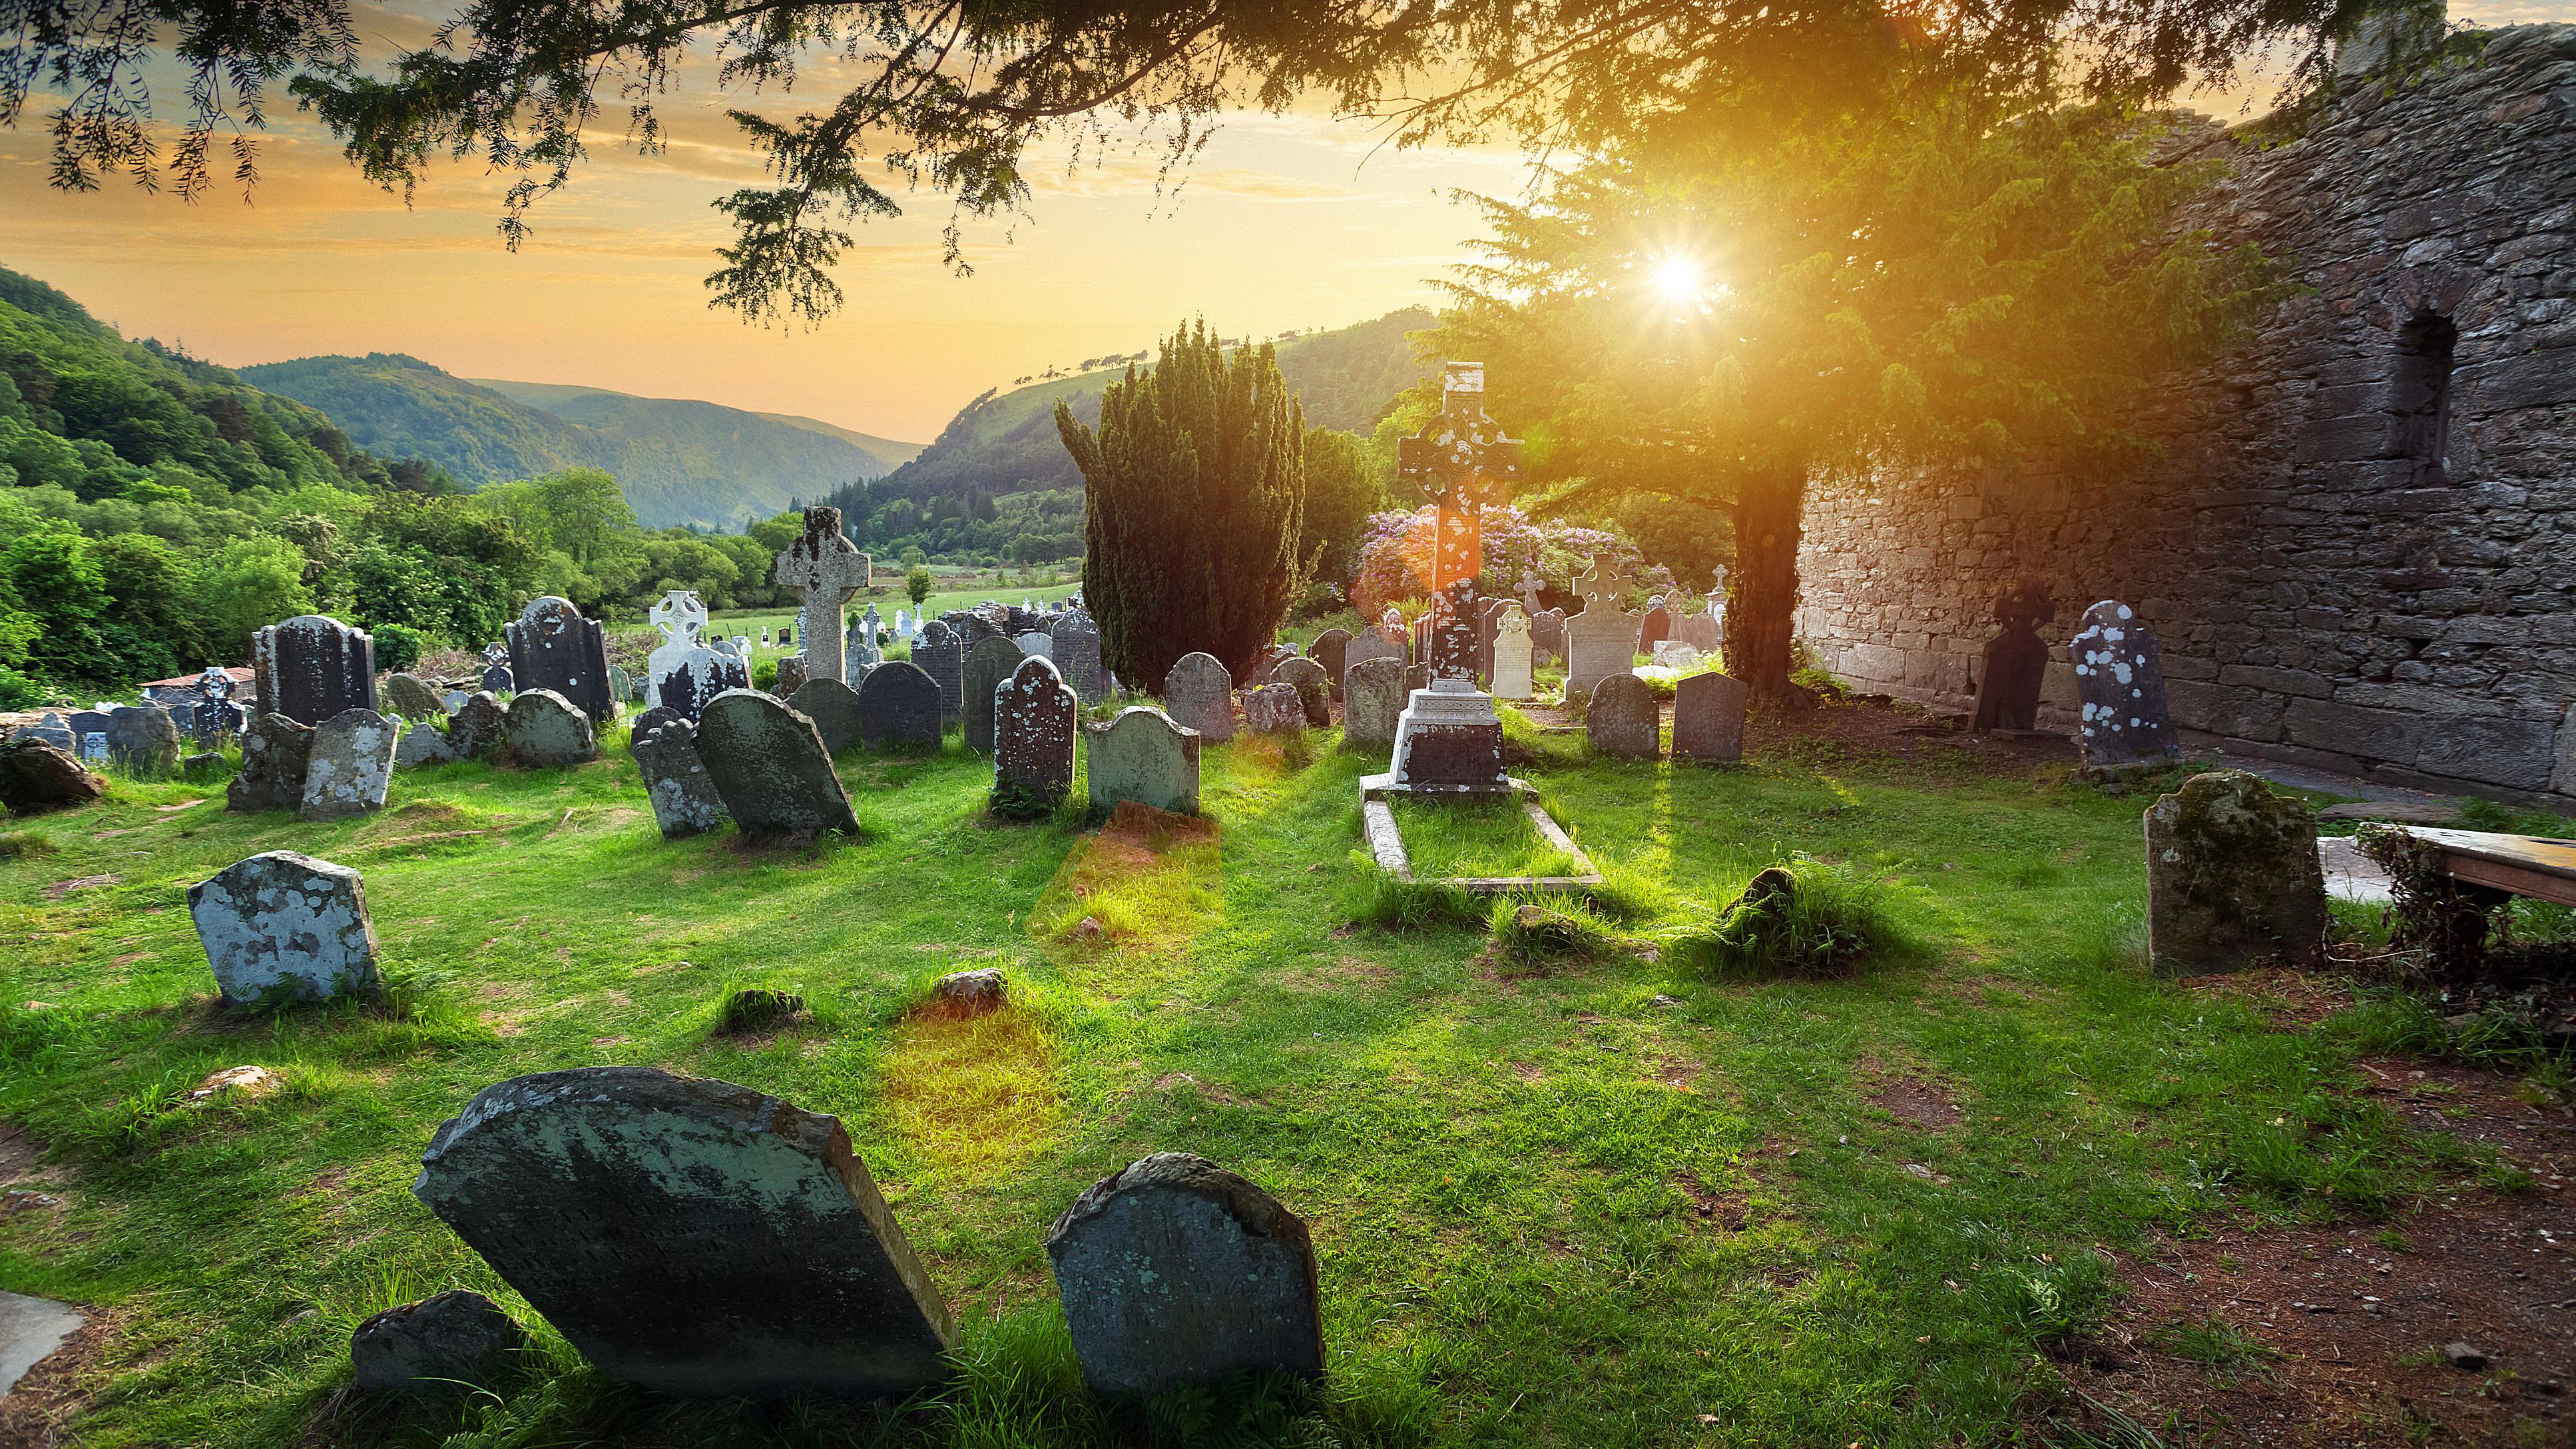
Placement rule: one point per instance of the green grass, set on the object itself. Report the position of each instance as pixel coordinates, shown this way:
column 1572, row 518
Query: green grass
column 1493, row 837
column 1502, row 1168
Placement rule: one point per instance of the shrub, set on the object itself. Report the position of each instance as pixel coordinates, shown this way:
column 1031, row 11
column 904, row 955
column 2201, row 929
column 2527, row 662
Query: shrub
column 17, row 691
column 1801, row 920
column 399, row 646
column 1532, row 936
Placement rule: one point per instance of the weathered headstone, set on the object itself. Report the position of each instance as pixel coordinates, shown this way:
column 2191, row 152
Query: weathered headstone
column 1272, row 656
column 684, row 799
column 988, row 663
column 1708, row 718
column 447, row 1344
column 769, row 766
column 653, row 719
column 283, row 924
column 1034, row 718
column 351, row 764
column 1655, row 627
column 1077, row 656
column 824, row 569
column 938, row 654
column 2016, row 659
column 410, row 696
column 54, row 730
column 479, row 728
column 1142, row 756
column 275, row 753
column 690, row 1236
column 1698, row 630
column 1511, row 654
column 792, row 676
column 548, row 731
column 1547, row 635
column 834, row 709
column 1314, row 688
column 900, row 707
column 1199, row 695
column 1674, row 654
column 686, row 671
column 422, row 743
column 1602, row 640
column 1621, row 719
column 1331, row 649
column 142, row 737
column 1176, row 1272
column 310, row 668
column 2120, row 677
column 1367, row 644
column 861, row 650
column 36, row 777
column 1273, row 709
column 2233, row 878
column 553, row 646
column 1036, row 642
column 621, row 685
column 1373, row 698
column 496, row 679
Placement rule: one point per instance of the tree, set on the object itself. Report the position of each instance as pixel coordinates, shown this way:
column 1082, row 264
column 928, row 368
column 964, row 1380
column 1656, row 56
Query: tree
column 1342, row 490
column 1195, row 498
column 916, row 584
column 250, row 582
column 1955, row 276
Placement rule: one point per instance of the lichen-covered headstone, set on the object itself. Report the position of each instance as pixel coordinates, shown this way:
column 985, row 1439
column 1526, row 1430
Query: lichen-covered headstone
column 1037, row 642
column 692, row 1237
column 142, row 737
column 940, row 654
column 410, row 696
column 769, row 766
column 1512, row 653
column 479, row 728
column 1332, row 649
column 1314, row 688
column 988, row 663
column 1621, row 719
column 2120, row 678
column 823, row 568
column 447, row 1344
column 310, row 668
column 1177, row 1272
column 1034, row 717
column 686, row 671
column 1374, row 694
column 283, row 924
column 422, row 744
column 1366, row 645
column 36, row 777
column 792, row 676
column 548, row 731
column 275, row 751
column 1198, row 693
column 1077, row 656
column 834, row 709
column 1142, row 756
column 1273, row 709
column 2232, row 878
column 684, row 799
column 1547, row 634
column 351, row 764
column 1708, row 718
column 900, row 706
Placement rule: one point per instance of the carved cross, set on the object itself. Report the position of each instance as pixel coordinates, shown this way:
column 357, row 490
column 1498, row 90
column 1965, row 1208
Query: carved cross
column 825, row 569
column 1602, row 588
column 1530, row 588
column 1456, row 459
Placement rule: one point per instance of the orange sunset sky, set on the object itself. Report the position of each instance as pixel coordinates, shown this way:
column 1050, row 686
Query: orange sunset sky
column 1293, row 221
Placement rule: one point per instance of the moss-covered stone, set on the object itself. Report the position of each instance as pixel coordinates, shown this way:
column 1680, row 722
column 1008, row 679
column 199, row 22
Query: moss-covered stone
column 2232, row 878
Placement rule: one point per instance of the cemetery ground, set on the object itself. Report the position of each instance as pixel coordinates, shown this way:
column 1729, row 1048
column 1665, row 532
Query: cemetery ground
column 2001, row 1185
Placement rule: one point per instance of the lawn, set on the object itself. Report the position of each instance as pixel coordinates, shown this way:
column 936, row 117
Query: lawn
column 1595, row 1201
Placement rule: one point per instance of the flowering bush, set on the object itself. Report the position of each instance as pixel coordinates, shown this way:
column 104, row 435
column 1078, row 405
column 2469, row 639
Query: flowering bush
column 1395, row 556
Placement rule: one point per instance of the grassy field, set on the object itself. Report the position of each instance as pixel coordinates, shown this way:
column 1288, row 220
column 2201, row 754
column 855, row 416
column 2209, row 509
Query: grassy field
column 1593, row 1200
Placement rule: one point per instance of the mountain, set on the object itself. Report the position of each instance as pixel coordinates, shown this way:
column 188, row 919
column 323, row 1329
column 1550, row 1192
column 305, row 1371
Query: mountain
column 678, row 461
column 1007, row 443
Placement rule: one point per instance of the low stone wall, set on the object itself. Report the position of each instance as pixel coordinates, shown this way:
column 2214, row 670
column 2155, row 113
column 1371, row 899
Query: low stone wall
column 2330, row 588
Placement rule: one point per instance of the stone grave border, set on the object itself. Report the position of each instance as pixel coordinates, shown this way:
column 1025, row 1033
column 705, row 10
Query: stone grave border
column 1386, row 843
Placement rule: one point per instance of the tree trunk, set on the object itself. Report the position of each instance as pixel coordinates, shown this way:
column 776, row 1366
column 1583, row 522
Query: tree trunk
column 1763, row 591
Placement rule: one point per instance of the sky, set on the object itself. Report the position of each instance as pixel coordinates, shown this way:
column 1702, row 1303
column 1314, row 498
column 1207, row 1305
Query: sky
column 1294, row 221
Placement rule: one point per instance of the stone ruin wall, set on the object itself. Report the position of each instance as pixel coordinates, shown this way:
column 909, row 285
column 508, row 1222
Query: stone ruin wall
column 2320, row 599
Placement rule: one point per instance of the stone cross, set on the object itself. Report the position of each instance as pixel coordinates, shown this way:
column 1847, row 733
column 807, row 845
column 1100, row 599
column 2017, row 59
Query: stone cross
column 1602, row 640
column 1531, row 587
column 824, row 569
column 1456, row 459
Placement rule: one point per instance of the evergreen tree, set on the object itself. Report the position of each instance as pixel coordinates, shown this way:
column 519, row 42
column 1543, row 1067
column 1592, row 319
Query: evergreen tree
column 1195, row 500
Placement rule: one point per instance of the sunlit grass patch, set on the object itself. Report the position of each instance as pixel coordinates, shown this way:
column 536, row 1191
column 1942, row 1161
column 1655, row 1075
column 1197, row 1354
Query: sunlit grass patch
column 1141, row 881
column 1806, row 919
column 973, row 1093
column 1476, row 836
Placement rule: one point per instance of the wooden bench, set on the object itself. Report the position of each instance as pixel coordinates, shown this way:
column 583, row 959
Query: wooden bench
column 2532, row 866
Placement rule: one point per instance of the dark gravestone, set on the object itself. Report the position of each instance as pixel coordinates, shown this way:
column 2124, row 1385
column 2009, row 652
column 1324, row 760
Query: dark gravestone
column 2233, row 878
column 1034, row 716
column 275, row 752
column 1331, row 649
column 283, row 924
column 791, row 676
column 2120, row 677
column 552, row 646
column 696, row 674
column 684, row 799
column 450, row 1343
column 770, row 767
column 1142, row 756
column 1654, row 629
column 1620, row 720
column 1077, row 657
column 988, row 663
column 834, row 709
column 36, row 777
column 1547, row 631
column 1176, row 1272
column 1198, row 693
column 548, row 731
column 692, row 1237
column 942, row 656
column 1708, row 718
column 143, row 737
column 653, row 719
column 310, row 668
column 2016, row 661
column 1373, row 699
column 1314, row 688
column 901, row 706
column 480, row 727
column 496, row 679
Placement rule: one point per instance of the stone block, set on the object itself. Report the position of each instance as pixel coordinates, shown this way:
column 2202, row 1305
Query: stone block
column 35, row 777
column 1199, row 695
column 2233, row 878
column 2355, row 730
column 901, row 707
column 446, row 1345
column 350, row 766
column 2518, row 754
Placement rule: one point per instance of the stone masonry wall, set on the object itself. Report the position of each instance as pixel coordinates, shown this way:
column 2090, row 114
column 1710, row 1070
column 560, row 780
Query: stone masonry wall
column 2323, row 597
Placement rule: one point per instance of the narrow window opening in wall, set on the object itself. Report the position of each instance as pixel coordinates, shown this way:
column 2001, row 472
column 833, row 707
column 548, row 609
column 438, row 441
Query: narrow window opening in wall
column 2421, row 397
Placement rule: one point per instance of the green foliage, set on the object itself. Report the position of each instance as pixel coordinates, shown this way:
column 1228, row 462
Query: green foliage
column 17, row 691
column 1195, row 499
column 1807, row 919
column 1535, row 935
column 398, row 646
column 1013, row 800
column 916, row 583
column 1342, row 490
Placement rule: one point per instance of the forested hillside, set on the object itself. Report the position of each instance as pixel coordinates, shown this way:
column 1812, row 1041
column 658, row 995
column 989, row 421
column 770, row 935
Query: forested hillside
column 641, row 418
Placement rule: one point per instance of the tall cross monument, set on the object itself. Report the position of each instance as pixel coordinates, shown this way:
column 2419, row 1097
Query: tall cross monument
column 824, row 569
column 1457, row 460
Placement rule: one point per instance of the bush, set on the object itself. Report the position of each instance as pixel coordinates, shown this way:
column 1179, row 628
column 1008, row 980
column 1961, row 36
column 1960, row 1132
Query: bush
column 1801, row 920
column 764, row 675
column 399, row 646
column 17, row 691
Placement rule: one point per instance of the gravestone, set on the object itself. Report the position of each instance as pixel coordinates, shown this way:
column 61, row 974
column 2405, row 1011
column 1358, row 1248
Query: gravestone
column 2120, row 677
column 684, row 798
column 1511, row 654
column 1176, row 1272
column 834, row 709
column 53, row 730
column 446, row 1344
column 283, row 924
column 1708, row 718
column 552, row 646
column 142, row 737
column 1699, row 630
column 496, row 679
column 1602, row 640
column 1272, row 656
column 310, row 668
column 422, row 744
column 1077, row 657
column 1674, row 654
column 1314, row 688
column 2016, row 659
column 1620, row 721
column 792, row 676
column 1450, row 638
column 36, row 777
column 1489, row 616
column 89, row 735
column 1142, row 756
column 621, row 685
column 1374, row 692
column 275, row 752
column 479, row 728
column 1034, row 719
column 786, row 635
column 691, row 1237
column 685, row 671
column 769, row 766
column 1331, row 649
column 1036, row 642
column 900, row 705
column 1655, row 628
column 653, row 719
column 939, row 655
column 548, row 731
column 1198, row 693
column 1547, row 635
column 351, row 764
column 2233, row 879
column 411, row 697
column 1365, row 645
column 988, row 663
column 1273, row 709
column 861, row 651
column 823, row 569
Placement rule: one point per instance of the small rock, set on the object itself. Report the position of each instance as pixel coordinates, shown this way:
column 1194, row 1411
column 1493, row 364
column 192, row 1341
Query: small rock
column 1090, row 929
column 1663, row 1000
column 971, row 993
column 247, row 1083
column 440, row 1345
column 36, row 777
column 21, row 1200
column 2461, row 1356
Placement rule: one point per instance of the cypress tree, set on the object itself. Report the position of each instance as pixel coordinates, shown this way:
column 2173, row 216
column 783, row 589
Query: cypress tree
column 1194, row 496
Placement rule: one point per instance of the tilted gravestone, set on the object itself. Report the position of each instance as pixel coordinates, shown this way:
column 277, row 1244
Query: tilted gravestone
column 479, row 728
column 422, row 743
column 1602, row 640
column 1365, row 645
column 548, row 731
column 900, row 707
column 1511, row 653
column 1273, row 709
column 2016, row 659
column 1034, row 717
column 1077, row 657
column 692, row 1237
column 1620, row 721
column 446, row 1344
column 941, row 656
column 1374, row 693
column 1708, row 718
column 143, row 737
column 283, row 924
column 310, row 668
column 2120, row 677
column 552, row 646
column 1199, row 695
column 411, row 697
column 2233, row 878
column 1177, row 1272
column 350, row 766
column 769, row 766
column 834, row 709
column 988, row 663
column 275, row 751
column 1314, row 688
column 1331, row 649
column 684, row 799
column 1142, row 756
column 823, row 569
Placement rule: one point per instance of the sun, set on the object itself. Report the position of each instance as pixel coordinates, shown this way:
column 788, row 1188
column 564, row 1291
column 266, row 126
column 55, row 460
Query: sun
column 1676, row 278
